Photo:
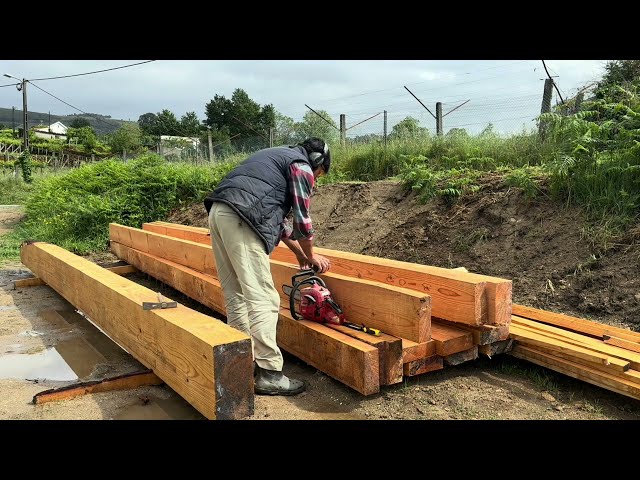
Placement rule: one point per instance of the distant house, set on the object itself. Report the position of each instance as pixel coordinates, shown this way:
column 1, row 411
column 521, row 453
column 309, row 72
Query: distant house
column 175, row 146
column 55, row 130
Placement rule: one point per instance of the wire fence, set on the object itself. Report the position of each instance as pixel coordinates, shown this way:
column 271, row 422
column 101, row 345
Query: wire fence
column 419, row 110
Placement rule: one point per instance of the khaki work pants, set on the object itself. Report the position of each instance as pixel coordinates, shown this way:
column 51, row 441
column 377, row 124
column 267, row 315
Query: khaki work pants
column 251, row 299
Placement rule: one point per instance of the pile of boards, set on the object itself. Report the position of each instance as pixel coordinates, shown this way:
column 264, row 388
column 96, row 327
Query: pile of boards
column 599, row 354
column 429, row 316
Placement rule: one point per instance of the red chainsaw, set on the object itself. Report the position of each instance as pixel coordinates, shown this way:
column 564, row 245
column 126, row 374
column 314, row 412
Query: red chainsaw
column 315, row 302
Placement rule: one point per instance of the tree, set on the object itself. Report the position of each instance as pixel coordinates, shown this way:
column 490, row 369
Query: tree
column 80, row 122
column 148, row 123
column 126, row 139
column 409, row 128
column 618, row 72
column 168, row 124
column 190, row 125
column 85, row 135
column 241, row 119
column 314, row 126
column 285, row 130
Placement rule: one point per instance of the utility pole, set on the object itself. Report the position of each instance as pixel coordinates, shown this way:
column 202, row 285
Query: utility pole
column 23, row 87
column 25, row 121
column 210, row 144
column 49, row 121
column 270, row 137
column 438, row 116
column 385, row 129
column 546, row 104
column 343, row 129
column 13, row 119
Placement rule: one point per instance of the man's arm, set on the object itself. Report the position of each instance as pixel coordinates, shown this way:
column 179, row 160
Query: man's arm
column 301, row 183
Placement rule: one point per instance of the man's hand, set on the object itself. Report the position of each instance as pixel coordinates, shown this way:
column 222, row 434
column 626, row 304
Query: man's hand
column 322, row 263
column 303, row 261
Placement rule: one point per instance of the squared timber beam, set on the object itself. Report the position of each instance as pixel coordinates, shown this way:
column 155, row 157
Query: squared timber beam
column 205, row 361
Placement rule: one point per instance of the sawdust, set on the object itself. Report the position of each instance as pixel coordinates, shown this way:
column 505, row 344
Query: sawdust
column 497, row 232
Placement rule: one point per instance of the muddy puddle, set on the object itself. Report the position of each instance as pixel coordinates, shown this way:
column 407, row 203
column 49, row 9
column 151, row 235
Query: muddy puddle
column 63, row 347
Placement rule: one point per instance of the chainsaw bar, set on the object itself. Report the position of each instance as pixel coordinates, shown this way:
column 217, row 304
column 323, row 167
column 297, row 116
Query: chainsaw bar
column 287, row 291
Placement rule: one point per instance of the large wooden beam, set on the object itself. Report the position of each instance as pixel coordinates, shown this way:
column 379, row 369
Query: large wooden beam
column 389, row 350
column 457, row 296
column 184, row 252
column 396, row 311
column 450, row 340
column 393, row 310
column 205, row 361
column 37, row 281
column 349, row 361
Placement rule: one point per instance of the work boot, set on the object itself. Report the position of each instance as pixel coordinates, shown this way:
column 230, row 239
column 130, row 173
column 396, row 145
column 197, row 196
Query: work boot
column 272, row 382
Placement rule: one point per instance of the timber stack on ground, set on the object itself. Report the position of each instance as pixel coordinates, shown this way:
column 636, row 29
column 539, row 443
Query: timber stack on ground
column 204, row 360
column 602, row 355
column 430, row 317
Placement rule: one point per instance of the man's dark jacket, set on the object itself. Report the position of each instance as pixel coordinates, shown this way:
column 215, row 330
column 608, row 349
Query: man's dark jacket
column 258, row 191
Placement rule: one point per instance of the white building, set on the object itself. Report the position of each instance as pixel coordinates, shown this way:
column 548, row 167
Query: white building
column 55, row 130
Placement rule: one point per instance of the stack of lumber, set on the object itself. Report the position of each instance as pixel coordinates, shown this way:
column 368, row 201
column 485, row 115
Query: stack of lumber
column 204, row 360
column 602, row 355
column 429, row 316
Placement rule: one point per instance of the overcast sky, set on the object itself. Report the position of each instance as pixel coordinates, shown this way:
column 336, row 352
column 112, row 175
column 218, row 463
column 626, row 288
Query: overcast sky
column 507, row 93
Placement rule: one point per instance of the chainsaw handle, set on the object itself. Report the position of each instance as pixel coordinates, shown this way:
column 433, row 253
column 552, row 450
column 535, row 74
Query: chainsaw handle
column 311, row 276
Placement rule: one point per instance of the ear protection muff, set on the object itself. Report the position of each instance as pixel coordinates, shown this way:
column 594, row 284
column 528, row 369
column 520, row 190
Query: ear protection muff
column 316, row 158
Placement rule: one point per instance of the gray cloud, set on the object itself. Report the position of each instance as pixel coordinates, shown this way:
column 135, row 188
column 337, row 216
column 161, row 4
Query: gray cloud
column 505, row 92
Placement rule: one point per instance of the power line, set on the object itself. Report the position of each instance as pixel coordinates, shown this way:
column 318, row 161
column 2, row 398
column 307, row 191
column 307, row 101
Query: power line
column 66, row 103
column 554, row 83
column 91, row 73
column 418, row 83
column 9, row 85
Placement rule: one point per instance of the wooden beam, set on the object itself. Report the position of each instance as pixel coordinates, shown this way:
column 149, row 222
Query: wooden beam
column 393, row 310
column 415, row 351
column 625, row 385
column 121, row 382
column 621, row 342
column 580, row 340
column 205, row 361
column 461, row 357
column 502, row 346
column 37, row 281
column 423, row 365
column 580, row 325
column 184, row 252
column 527, row 337
column 389, row 349
column 342, row 357
column 396, row 311
column 457, row 296
column 450, row 340
column 482, row 334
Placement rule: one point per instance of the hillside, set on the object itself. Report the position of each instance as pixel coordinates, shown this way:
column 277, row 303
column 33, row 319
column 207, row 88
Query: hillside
column 101, row 124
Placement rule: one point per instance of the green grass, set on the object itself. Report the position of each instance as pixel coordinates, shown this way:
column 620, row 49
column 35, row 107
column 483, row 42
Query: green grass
column 15, row 191
column 537, row 375
column 74, row 210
